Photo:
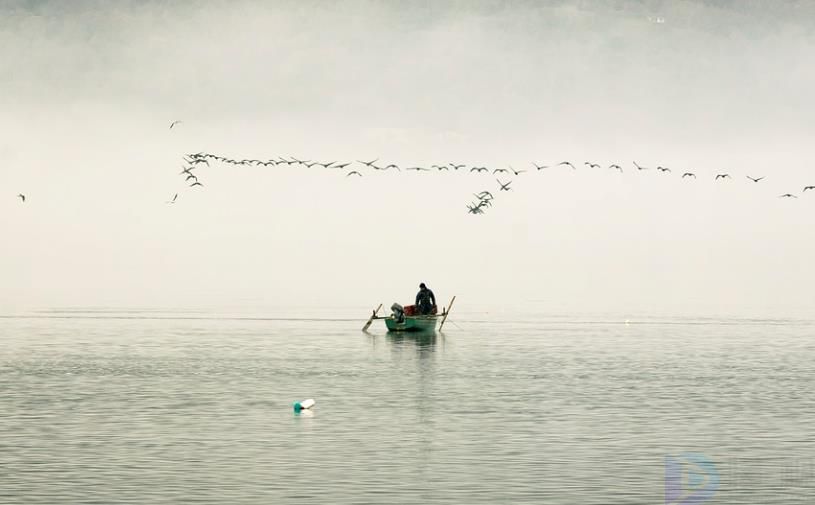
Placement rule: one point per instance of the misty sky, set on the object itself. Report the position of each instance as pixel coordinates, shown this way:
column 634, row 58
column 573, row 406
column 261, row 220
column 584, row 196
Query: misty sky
column 88, row 90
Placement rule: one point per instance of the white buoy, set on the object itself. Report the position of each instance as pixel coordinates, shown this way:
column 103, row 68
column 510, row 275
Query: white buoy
column 305, row 404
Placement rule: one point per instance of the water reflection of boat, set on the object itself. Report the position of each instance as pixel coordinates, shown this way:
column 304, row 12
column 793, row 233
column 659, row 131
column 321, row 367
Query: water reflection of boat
column 410, row 321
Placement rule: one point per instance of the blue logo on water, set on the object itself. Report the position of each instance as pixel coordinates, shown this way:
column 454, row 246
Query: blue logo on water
column 690, row 479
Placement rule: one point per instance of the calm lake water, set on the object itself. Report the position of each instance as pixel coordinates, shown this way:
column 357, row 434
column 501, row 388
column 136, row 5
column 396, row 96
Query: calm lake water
column 102, row 406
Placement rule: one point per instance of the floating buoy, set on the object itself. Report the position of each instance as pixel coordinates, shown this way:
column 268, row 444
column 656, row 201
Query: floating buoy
column 305, row 404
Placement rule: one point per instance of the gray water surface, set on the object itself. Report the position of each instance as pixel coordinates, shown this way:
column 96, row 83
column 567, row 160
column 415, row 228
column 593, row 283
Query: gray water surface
column 165, row 407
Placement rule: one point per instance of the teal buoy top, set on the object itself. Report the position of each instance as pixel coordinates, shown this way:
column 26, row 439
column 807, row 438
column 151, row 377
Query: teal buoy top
column 305, row 404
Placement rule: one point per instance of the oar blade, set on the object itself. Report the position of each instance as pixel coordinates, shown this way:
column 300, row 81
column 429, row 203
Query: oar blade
column 371, row 319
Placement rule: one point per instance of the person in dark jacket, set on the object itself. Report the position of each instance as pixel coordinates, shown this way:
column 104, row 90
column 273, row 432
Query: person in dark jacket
column 425, row 300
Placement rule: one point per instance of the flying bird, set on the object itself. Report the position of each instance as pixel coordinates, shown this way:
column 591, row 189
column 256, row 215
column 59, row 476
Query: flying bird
column 809, row 187
column 174, row 123
column 689, row 174
column 787, row 195
column 539, row 167
column 174, row 197
column 616, row 167
column 504, row 170
column 639, row 167
column 479, row 169
column 21, row 197
column 353, row 172
column 591, row 165
column 663, row 169
column 343, row 165
column 753, row 179
column 456, row 167
column 517, row 172
column 483, row 202
column 567, row 163
column 369, row 163
column 196, row 183
column 475, row 209
column 722, row 176
column 504, row 187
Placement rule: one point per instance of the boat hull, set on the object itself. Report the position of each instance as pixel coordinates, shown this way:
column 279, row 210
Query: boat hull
column 417, row 323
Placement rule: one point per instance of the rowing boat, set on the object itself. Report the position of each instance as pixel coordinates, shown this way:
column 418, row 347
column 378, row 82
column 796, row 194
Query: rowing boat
column 410, row 321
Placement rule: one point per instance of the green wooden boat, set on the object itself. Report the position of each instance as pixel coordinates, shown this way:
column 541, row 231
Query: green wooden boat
column 412, row 323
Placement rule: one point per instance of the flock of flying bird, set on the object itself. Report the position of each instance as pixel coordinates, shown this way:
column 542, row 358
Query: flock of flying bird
column 484, row 199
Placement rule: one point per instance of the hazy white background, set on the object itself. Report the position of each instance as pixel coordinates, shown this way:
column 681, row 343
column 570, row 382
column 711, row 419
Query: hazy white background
column 89, row 88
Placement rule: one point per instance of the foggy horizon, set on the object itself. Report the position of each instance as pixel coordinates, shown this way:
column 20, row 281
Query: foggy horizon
column 89, row 90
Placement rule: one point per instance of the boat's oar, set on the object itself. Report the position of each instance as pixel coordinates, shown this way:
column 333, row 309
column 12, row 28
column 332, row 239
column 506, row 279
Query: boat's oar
column 446, row 313
column 371, row 319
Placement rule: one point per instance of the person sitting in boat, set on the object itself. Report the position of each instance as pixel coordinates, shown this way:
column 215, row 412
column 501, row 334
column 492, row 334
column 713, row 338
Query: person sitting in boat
column 425, row 300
